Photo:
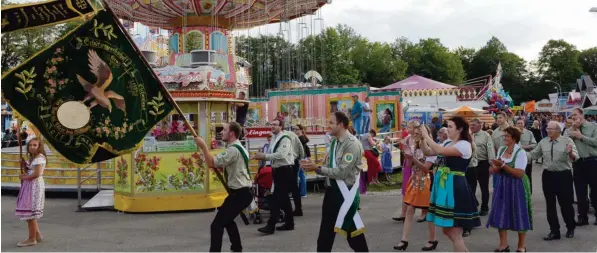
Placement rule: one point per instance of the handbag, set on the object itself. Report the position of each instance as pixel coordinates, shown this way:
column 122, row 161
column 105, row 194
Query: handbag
column 375, row 151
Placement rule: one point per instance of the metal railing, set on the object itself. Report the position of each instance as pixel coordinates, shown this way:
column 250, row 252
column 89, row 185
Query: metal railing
column 395, row 136
column 80, row 181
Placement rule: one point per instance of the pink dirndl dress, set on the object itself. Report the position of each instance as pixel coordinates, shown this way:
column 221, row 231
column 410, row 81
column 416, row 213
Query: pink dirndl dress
column 406, row 168
column 30, row 202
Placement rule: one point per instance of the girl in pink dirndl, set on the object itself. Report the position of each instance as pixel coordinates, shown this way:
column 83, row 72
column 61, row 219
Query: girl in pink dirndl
column 30, row 202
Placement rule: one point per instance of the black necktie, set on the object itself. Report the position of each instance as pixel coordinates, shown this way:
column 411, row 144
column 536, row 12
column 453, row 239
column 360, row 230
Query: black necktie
column 552, row 142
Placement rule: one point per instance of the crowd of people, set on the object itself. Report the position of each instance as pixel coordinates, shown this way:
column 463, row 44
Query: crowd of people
column 506, row 155
column 440, row 177
column 10, row 138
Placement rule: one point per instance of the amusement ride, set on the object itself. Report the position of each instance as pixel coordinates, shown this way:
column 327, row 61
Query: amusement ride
column 197, row 63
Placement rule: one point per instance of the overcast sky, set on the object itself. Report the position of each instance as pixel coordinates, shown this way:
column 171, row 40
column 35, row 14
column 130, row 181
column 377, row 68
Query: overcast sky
column 524, row 26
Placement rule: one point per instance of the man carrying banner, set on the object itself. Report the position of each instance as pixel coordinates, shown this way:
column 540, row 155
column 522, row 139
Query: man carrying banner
column 235, row 162
column 341, row 201
column 282, row 161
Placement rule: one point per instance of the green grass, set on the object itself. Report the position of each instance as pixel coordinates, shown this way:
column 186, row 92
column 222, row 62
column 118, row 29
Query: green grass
column 385, row 185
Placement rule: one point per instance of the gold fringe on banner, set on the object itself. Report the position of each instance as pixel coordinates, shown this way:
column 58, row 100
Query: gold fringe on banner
column 33, row 15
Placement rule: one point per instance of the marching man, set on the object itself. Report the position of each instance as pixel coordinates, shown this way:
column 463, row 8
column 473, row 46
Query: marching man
column 341, row 201
column 281, row 156
column 235, row 161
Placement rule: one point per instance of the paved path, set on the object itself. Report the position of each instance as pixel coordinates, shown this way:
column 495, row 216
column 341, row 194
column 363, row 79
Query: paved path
column 67, row 230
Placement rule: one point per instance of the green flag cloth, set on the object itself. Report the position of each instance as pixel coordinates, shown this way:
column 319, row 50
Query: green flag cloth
column 29, row 15
column 90, row 94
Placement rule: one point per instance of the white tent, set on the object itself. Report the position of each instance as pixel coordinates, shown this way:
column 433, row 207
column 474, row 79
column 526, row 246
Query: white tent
column 465, row 108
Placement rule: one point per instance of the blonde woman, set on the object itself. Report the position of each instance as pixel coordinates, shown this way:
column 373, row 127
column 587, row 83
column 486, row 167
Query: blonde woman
column 418, row 190
column 30, row 202
column 407, row 145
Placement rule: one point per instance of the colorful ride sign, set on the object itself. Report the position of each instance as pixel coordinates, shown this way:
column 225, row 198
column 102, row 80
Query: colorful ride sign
column 258, row 132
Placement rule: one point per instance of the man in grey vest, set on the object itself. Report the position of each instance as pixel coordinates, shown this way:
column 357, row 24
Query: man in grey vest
column 235, row 162
column 282, row 158
column 558, row 153
column 484, row 152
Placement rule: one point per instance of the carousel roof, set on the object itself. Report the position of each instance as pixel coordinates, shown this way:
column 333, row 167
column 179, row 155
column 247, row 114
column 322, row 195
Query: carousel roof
column 234, row 14
column 416, row 82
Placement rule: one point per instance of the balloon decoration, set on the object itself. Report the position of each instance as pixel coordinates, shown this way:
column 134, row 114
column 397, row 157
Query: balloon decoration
column 499, row 101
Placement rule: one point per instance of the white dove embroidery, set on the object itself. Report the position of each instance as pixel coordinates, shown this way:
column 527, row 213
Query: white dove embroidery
column 102, row 72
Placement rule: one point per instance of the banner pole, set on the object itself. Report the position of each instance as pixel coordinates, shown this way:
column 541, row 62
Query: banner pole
column 19, row 140
column 169, row 97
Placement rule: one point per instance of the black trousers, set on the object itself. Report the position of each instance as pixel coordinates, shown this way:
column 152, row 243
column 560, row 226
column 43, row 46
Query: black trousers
column 233, row 205
column 329, row 213
column 296, row 195
column 585, row 175
column 557, row 185
column 284, row 180
column 480, row 174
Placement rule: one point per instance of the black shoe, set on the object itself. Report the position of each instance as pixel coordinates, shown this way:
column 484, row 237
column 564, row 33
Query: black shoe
column 570, row 234
column 403, row 245
column 285, row 227
column 430, row 248
column 466, row 233
column 399, row 218
column 267, row 230
column 421, row 220
column 506, row 249
column 297, row 213
column 582, row 222
column 552, row 236
column 484, row 212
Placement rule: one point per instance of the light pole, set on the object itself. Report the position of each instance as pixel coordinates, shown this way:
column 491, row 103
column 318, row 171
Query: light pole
column 559, row 88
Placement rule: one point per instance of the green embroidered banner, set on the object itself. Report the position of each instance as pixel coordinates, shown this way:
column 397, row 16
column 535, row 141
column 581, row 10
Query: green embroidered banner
column 90, row 94
column 29, row 15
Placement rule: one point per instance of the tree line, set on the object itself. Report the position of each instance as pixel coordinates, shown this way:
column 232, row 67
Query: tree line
column 344, row 57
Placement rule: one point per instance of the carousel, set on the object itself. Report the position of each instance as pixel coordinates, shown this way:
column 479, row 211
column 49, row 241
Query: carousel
column 207, row 80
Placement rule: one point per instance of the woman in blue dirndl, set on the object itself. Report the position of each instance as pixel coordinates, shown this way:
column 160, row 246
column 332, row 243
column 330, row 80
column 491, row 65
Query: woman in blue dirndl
column 453, row 205
column 511, row 206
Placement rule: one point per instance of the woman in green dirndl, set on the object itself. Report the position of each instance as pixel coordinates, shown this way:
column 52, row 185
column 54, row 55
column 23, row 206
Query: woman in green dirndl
column 453, row 205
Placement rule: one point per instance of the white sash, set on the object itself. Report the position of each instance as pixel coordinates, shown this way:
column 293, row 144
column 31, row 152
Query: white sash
column 349, row 196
